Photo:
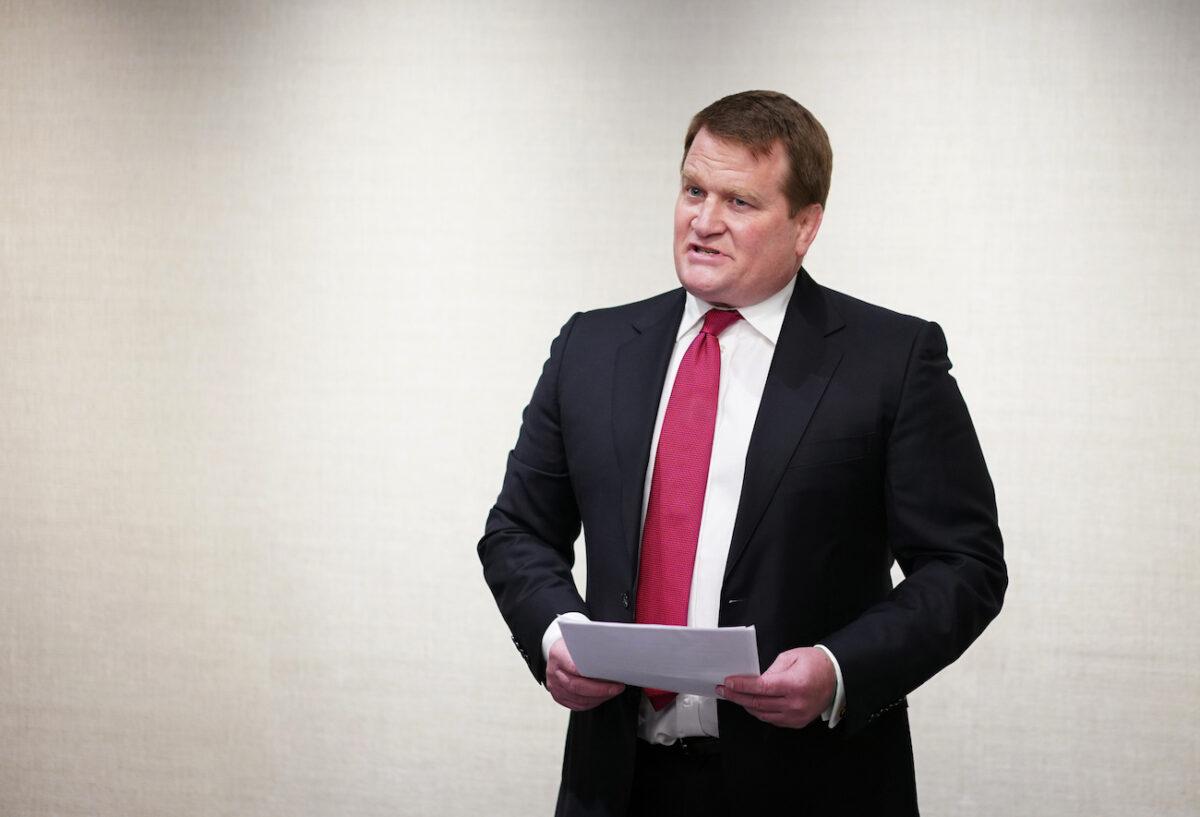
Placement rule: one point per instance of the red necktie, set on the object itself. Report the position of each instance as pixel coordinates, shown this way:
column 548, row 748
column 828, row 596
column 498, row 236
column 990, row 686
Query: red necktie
column 678, row 484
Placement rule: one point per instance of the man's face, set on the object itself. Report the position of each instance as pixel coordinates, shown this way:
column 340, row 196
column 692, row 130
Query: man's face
column 735, row 244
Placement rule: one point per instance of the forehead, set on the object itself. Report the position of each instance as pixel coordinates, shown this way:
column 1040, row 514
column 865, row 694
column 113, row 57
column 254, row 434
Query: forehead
column 723, row 161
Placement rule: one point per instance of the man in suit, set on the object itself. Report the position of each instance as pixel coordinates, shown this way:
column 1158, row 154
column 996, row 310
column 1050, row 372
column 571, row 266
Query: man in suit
column 750, row 449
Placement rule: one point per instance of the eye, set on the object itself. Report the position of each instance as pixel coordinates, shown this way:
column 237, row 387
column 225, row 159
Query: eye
column 741, row 203
column 693, row 191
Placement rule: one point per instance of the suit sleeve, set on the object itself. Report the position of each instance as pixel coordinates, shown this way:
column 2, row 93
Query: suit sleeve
column 942, row 529
column 528, row 545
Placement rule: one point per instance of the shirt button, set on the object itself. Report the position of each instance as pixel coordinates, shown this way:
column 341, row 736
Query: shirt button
column 625, row 600
column 688, row 700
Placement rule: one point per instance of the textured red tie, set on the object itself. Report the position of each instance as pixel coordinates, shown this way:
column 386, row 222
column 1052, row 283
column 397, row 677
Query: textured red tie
column 678, row 484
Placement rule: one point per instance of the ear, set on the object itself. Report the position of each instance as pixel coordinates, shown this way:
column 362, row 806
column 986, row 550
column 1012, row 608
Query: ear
column 808, row 222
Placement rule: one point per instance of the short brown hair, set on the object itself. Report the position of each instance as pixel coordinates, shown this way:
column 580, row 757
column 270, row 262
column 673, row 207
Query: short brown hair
column 759, row 119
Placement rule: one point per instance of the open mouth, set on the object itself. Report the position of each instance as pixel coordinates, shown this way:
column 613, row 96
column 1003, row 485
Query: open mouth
column 704, row 250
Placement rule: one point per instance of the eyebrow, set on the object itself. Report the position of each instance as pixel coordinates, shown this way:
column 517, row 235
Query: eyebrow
column 733, row 192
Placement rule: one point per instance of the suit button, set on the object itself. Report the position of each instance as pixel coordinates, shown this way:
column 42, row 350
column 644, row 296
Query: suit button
column 625, row 600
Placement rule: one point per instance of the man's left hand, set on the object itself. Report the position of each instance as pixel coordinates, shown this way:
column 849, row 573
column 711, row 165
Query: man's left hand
column 793, row 691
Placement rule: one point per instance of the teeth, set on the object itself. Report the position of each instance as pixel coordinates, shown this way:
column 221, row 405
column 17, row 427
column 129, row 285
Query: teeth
column 710, row 252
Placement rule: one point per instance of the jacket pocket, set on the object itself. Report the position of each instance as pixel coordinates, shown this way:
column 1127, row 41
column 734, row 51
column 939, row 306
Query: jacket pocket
column 828, row 452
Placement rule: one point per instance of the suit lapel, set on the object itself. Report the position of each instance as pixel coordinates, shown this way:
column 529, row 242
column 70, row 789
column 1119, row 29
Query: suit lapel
column 641, row 368
column 804, row 362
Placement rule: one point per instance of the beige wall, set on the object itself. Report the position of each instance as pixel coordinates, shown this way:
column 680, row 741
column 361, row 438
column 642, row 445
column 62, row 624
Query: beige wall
column 277, row 279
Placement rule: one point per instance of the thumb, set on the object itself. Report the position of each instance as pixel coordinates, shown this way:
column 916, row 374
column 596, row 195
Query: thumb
column 750, row 684
column 560, row 651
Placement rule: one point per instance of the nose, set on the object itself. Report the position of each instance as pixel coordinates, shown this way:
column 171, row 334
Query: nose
column 707, row 220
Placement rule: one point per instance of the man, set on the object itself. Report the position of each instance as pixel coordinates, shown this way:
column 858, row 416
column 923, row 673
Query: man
column 750, row 449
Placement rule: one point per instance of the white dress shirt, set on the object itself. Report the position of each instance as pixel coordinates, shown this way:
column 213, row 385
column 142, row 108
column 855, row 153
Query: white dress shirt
column 747, row 347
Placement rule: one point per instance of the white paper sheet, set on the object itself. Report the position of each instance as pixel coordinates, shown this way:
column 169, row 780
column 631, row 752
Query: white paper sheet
column 691, row 660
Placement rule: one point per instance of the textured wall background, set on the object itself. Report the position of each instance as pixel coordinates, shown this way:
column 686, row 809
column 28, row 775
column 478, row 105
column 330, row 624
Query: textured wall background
column 277, row 279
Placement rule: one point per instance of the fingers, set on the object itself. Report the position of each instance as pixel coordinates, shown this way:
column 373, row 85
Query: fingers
column 749, row 689
column 572, row 690
column 747, row 692
column 769, row 698
column 566, row 689
column 778, row 710
column 576, row 703
column 791, row 720
column 582, row 687
column 559, row 656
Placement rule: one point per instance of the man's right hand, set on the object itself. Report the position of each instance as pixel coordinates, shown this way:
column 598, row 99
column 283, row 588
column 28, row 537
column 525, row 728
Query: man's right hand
column 569, row 688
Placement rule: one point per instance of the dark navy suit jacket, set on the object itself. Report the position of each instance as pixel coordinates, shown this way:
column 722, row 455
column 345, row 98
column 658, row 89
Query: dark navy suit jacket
column 862, row 453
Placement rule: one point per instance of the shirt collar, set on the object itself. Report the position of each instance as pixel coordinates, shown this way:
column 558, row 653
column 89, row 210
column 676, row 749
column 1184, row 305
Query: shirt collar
column 765, row 317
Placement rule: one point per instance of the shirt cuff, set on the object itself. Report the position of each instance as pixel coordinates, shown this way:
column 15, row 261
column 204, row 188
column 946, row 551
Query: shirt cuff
column 554, row 632
column 838, row 708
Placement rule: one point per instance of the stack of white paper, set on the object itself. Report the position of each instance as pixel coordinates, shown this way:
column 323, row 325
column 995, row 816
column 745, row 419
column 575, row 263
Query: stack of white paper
column 691, row 660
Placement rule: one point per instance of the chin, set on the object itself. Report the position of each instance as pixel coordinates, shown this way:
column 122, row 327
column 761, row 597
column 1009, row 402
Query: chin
column 701, row 285
column 713, row 294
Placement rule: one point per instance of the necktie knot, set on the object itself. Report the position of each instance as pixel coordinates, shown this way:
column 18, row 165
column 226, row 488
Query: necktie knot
column 717, row 321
